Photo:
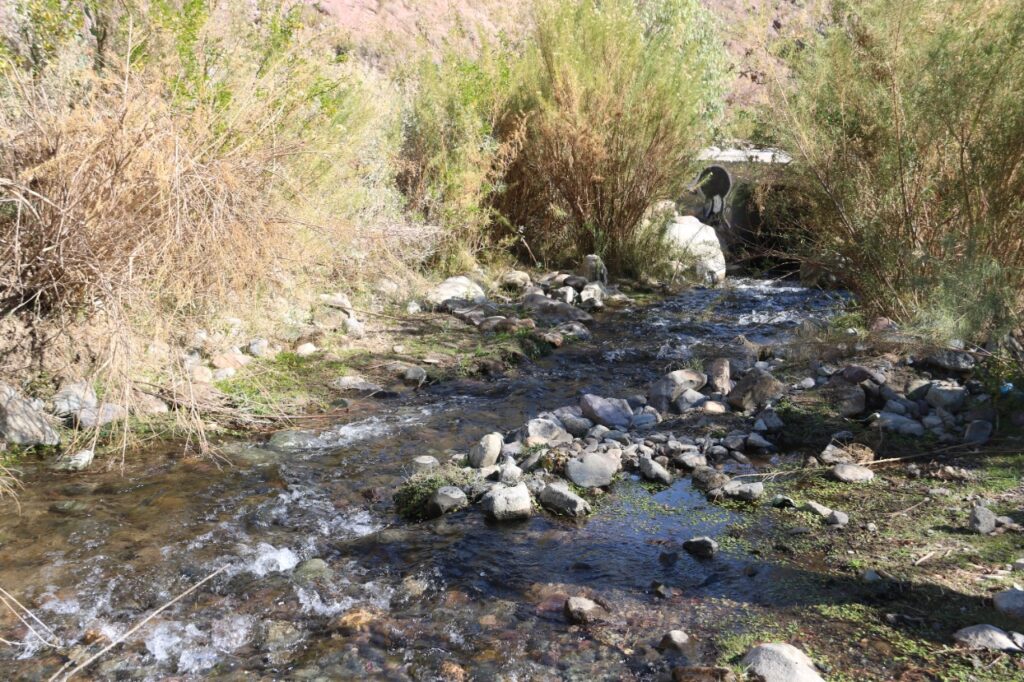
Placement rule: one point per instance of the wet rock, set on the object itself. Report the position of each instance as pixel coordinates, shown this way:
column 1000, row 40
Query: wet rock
column 612, row 413
column 455, row 291
column 312, row 570
column 74, row 397
column 653, row 471
column 70, row 508
column 674, row 640
column 581, row 610
column 425, row 463
column 593, row 470
column 414, row 376
column 557, row 497
column 504, row 503
column 281, row 636
column 292, row 441
column 703, row 674
column 453, row 672
column 982, row 520
column 755, row 390
column 445, row 500
column 1010, row 603
column 780, row 662
column 985, row 637
column 852, row 473
column 666, row 390
column 486, row 452
column 573, row 331
column 76, row 462
column 887, row 421
column 553, row 312
column 21, row 423
column 978, row 432
column 947, row 395
column 719, row 377
column 701, row 547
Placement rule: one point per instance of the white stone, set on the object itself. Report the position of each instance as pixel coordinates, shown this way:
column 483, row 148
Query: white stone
column 701, row 242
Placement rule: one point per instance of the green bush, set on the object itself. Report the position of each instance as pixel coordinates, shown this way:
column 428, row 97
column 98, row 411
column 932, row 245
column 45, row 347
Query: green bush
column 907, row 127
column 561, row 143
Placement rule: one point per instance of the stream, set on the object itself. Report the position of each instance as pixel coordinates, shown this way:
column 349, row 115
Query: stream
column 92, row 554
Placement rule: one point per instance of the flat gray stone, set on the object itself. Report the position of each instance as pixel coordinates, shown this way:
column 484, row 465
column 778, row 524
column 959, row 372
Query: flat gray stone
column 780, row 662
column 985, row 637
column 614, row 414
column 557, row 498
column 852, row 473
column 593, row 469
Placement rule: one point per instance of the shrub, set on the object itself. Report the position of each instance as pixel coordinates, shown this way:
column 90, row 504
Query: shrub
column 561, row 143
column 907, row 128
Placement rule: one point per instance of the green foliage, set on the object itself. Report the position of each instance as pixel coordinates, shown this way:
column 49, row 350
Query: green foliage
column 908, row 131
column 412, row 496
column 560, row 145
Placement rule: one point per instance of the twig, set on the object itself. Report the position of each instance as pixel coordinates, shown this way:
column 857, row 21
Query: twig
column 92, row 659
column 911, row 508
column 925, row 558
column 26, row 623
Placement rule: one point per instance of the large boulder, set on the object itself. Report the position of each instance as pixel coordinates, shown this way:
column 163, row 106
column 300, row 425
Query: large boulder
column 610, row 412
column 455, row 291
column 700, row 243
column 985, row 637
column 780, row 662
column 755, row 390
column 665, row 390
column 21, row 423
column 508, row 503
column 947, row 395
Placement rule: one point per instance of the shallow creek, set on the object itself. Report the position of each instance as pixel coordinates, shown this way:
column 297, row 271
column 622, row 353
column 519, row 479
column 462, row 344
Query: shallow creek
column 92, row 554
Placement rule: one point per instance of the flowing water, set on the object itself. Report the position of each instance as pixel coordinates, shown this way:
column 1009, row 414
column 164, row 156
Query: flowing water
column 92, row 554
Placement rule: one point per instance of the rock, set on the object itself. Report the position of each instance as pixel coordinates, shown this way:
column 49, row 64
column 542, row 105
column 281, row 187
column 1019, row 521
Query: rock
column 612, row 413
column 557, row 498
column 258, row 348
column 747, row 492
column 508, row 472
column 425, row 463
column 755, row 390
column 21, row 423
column 982, row 520
column 593, row 470
column 896, row 423
column 985, row 637
column 224, row 373
column 653, row 471
column 414, row 376
column 565, row 295
column 553, row 312
column 486, row 452
column 674, row 640
column 1010, row 603
column 201, row 374
column 516, row 280
column 592, row 296
column 759, row 442
column 719, row 377
column 76, row 462
column 853, row 453
column 304, row 350
column 232, row 359
column 780, row 662
column 701, row 547
column 947, row 395
column 771, row 420
column 978, row 432
column 1018, row 565
column 852, row 473
column 581, row 610
column 445, row 500
column 848, row 398
column 573, row 331
column 543, row 431
column 594, row 270
column 837, row 518
column 74, row 397
column 143, row 403
column 698, row 673
column 353, row 327
column 312, row 570
column 715, row 407
column 666, row 390
column 783, row 502
column 701, row 243
column 95, row 417
column 708, row 478
column 505, row 503
column 577, row 426
column 816, row 509
column 952, row 360
column 356, row 385
column 455, row 291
